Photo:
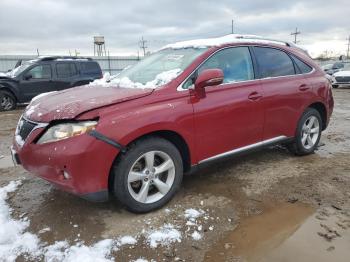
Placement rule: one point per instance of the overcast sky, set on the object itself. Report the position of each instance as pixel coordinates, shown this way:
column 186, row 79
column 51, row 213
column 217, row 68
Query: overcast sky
column 55, row 27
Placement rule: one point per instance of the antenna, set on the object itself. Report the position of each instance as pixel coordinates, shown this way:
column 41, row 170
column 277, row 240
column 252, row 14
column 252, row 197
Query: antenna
column 143, row 45
column 296, row 33
column 348, row 51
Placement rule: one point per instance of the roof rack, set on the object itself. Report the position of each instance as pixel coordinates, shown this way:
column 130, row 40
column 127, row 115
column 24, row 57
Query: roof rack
column 51, row 58
column 255, row 37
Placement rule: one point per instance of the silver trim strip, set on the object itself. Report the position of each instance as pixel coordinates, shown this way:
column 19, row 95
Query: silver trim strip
column 245, row 148
column 179, row 88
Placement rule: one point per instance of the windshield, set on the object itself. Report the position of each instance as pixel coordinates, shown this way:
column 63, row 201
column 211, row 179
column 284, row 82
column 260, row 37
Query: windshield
column 158, row 69
column 18, row 70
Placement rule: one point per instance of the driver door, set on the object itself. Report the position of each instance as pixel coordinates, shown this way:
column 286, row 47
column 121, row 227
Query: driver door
column 36, row 80
column 229, row 116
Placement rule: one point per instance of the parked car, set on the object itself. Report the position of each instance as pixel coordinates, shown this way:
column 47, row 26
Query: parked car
column 342, row 78
column 186, row 105
column 42, row 75
column 330, row 69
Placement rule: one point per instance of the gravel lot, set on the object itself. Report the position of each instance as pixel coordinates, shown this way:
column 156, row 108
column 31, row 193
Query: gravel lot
column 265, row 206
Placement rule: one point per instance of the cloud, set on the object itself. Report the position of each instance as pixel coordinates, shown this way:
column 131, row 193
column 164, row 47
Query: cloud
column 55, row 27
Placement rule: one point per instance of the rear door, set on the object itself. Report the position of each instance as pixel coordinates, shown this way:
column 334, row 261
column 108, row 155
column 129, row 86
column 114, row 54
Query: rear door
column 36, row 80
column 286, row 92
column 230, row 115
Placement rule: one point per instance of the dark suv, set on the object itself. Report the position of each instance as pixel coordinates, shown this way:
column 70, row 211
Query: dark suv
column 45, row 75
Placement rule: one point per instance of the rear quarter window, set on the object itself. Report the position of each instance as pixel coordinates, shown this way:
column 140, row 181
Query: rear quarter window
column 302, row 67
column 273, row 62
column 90, row 67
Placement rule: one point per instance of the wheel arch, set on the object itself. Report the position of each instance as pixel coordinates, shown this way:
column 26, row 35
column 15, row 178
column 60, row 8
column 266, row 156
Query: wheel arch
column 173, row 137
column 4, row 88
column 321, row 108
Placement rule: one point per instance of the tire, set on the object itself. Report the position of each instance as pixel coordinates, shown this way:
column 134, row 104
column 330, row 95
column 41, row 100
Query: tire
column 128, row 187
column 308, row 133
column 7, row 101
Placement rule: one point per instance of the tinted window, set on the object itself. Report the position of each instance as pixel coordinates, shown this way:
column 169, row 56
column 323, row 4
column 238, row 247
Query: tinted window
column 302, row 67
column 65, row 70
column 40, row 72
column 273, row 62
column 89, row 67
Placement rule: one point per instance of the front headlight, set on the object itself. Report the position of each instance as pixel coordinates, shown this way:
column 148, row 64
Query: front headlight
column 66, row 130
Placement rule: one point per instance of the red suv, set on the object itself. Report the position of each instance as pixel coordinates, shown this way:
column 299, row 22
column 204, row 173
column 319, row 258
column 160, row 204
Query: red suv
column 134, row 135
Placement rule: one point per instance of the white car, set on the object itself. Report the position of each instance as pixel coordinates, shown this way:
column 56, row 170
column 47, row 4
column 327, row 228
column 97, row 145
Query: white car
column 342, row 78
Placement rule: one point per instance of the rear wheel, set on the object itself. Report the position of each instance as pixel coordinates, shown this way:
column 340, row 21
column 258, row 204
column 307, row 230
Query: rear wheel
column 308, row 133
column 148, row 175
column 7, row 101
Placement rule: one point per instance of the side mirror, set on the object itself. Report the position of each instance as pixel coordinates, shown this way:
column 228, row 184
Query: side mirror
column 28, row 76
column 209, row 77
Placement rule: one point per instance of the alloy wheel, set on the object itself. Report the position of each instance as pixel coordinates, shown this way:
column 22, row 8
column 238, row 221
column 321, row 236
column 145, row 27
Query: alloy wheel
column 310, row 132
column 6, row 102
column 151, row 177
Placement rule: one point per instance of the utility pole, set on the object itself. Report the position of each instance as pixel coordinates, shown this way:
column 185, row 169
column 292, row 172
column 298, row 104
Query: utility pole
column 232, row 27
column 348, row 51
column 37, row 51
column 296, row 33
column 143, row 46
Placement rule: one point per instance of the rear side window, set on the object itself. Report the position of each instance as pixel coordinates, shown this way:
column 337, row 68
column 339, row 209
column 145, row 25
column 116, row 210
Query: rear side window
column 90, row 67
column 301, row 67
column 66, row 70
column 273, row 62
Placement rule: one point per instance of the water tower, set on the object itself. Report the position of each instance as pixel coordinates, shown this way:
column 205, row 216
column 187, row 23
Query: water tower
column 99, row 46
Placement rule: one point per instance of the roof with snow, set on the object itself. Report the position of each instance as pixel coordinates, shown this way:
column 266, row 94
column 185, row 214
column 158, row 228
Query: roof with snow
column 227, row 39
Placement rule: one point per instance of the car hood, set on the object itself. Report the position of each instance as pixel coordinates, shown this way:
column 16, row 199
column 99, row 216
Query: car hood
column 70, row 103
column 342, row 73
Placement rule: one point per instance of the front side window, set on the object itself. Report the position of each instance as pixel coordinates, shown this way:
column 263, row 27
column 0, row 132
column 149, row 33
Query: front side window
column 66, row 70
column 235, row 62
column 40, row 72
column 273, row 62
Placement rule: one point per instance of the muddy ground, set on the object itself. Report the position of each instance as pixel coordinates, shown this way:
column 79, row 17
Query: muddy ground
column 265, row 206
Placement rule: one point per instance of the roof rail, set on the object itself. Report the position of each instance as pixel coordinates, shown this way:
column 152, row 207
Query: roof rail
column 51, row 58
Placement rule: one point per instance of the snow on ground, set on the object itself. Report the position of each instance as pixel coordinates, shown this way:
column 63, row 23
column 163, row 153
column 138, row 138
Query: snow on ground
column 124, row 82
column 164, row 237
column 15, row 241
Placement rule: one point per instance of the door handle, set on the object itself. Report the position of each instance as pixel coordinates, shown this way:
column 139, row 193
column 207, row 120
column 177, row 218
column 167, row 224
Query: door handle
column 304, row 87
column 254, row 96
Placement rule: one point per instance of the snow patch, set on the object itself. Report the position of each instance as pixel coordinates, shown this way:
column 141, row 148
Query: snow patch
column 160, row 80
column 164, row 237
column 196, row 236
column 127, row 240
column 192, row 213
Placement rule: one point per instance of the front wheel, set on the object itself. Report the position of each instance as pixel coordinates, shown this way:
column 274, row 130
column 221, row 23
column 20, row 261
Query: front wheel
column 148, row 175
column 308, row 133
column 7, row 101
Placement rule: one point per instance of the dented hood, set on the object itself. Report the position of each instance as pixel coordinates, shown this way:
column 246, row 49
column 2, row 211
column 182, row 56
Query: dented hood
column 72, row 102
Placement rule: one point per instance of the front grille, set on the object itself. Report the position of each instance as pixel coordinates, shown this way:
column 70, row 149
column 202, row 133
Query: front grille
column 24, row 128
column 343, row 79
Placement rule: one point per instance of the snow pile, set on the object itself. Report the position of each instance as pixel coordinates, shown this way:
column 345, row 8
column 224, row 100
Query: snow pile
column 13, row 240
column 164, row 237
column 124, row 82
column 61, row 251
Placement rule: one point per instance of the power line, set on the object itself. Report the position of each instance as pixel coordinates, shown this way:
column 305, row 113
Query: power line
column 143, row 46
column 348, row 51
column 296, row 33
